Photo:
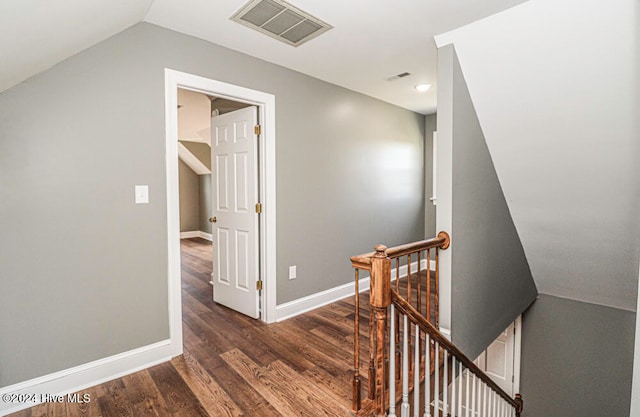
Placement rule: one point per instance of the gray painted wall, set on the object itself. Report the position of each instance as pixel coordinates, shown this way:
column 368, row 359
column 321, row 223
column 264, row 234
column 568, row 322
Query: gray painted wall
column 430, row 126
column 198, row 204
column 635, row 385
column 189, row 198
column 195, row 199
column 577, row 359
column 84, row 269
column 350, row 175
column 75, row 140
column 204, row 191
column 490, row 278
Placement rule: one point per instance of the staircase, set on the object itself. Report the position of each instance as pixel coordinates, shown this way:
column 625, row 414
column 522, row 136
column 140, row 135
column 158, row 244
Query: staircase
column 404, row 342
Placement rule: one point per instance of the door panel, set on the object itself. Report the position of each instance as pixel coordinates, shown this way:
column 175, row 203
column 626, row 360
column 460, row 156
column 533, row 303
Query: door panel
column 242, row 259
column 222, row 246
column 235, row 178
column 222, row 181
column 241, row 183
column 497, row 360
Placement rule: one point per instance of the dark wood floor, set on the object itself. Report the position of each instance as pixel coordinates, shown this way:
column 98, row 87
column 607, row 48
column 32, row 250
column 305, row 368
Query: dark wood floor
column 233, row 365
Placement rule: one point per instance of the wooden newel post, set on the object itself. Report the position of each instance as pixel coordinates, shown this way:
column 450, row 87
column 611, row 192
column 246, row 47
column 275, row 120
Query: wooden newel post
column 520, row 403
column 380, row 278
column 380, row 300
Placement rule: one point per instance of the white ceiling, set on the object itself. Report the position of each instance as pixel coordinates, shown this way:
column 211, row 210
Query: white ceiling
column 371, row 40
column 37, row 34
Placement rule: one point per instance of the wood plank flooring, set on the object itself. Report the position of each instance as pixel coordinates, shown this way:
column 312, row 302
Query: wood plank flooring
column 233, row 365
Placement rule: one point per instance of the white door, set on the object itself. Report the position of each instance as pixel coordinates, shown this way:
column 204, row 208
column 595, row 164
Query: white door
column 234, row 163
column 498, row 360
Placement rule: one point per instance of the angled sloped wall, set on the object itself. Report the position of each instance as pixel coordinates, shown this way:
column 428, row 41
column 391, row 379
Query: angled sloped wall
column 556, row 86
column 202, row 151
column 491, row 283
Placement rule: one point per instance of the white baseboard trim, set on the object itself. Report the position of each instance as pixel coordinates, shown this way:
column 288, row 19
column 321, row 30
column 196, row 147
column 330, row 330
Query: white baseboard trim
column 196, row 233
column 423, row 264
column 313, row 301
column 86, row 375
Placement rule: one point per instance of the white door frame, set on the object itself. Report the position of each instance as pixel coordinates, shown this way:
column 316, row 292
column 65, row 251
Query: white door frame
column 267, row 171
column 517, row 354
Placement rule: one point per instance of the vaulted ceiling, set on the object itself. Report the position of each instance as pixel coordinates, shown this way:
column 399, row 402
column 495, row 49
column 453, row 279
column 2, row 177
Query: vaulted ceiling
column 37, row 34
column 370, row 42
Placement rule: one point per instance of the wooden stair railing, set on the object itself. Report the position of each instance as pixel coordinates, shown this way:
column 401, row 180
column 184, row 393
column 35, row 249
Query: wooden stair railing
column 413, row 369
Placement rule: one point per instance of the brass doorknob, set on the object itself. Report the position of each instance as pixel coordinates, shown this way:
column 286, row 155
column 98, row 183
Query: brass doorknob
column 213, row 219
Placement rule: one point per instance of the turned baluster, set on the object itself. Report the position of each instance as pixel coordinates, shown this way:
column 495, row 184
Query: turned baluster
column 380, row 300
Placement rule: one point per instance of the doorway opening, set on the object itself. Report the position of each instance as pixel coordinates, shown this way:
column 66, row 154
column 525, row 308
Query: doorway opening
column 501, row 359
column 264, row 105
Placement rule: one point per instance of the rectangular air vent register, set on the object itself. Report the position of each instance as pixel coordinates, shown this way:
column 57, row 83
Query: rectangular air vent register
column 281, row 21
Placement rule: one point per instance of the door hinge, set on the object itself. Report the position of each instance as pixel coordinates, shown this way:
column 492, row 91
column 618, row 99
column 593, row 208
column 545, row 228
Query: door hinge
column 259, row 208
column 259, row 285
column 257, row 129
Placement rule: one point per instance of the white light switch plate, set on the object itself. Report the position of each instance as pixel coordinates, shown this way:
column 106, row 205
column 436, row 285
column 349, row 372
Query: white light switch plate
column 292, row 272
column 142, row 194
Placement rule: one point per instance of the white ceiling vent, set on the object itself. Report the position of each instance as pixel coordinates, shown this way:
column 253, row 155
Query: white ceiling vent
column 281, row 21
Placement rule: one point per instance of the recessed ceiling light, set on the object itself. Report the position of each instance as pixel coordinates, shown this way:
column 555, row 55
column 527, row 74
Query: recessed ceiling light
column 423, row 87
